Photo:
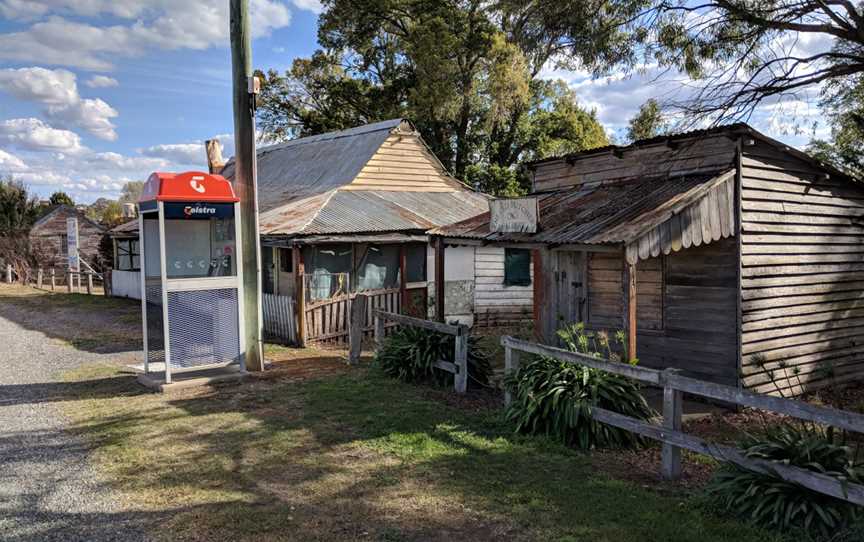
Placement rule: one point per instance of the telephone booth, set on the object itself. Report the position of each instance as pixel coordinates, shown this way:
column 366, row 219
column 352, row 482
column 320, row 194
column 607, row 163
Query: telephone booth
column 191, row 303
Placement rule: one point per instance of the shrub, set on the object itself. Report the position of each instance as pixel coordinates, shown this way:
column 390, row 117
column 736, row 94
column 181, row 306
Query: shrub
column 408, row 354
column 554, row 397
column 769, row 501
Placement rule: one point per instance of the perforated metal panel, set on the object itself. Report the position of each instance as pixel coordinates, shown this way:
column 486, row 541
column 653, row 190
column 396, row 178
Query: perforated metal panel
column 155, row 334
column 203, row 327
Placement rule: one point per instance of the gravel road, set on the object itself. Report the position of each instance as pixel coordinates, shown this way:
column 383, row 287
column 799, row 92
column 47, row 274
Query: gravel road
column 48, row 490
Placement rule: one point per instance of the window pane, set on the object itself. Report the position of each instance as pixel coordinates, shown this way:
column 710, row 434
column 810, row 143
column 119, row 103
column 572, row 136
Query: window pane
column 134, row 247
column 286, row 260
column 328, row 269
column 379, row 268
column 517, row 267
column 136, row 263
column 415, row 265
column 199, row 244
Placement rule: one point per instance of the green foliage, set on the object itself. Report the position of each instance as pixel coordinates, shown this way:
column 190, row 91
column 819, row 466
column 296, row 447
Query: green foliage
column 18, row 209
column 408, row 354
column 131, row 192
column 61, row 198
column 466, row 73
column 768, row 501
column 647, row 123
column 555, row 397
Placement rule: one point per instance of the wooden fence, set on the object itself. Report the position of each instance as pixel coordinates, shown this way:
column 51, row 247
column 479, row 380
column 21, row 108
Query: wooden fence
column 674, row 440
column 280, row 318
column 328, row 320
column 459, row 366
column 85, row 282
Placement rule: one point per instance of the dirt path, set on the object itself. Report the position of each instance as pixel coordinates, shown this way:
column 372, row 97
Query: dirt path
column 48, row 491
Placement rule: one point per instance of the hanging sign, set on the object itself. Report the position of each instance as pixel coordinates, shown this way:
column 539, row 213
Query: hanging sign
column 72, row 244
column 513, row 215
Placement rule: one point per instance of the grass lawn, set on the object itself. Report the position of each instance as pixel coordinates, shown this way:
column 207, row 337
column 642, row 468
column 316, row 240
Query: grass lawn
column 351, row 455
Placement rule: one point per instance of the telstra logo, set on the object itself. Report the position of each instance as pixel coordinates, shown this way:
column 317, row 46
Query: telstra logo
column 192, row 210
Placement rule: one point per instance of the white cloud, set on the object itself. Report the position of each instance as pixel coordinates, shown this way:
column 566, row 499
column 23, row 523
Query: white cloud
column 49, row 87
column 189, row 154
column 101, row 81
column 62, row 39
column 309, row 5
column 9, row 163
column 34, row 135
column 58, row 91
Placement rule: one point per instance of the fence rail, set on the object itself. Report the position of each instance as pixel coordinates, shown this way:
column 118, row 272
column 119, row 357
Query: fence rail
column 74, row 281
column 459, row 365
column 674, row 440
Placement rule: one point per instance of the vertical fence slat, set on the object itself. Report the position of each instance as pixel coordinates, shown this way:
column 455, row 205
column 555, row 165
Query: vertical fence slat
column 511, row 365
column 672, row 413
column 460, row 358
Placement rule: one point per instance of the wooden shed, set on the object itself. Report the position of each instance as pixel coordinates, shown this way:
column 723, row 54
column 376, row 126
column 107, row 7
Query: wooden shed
column 722, row 252
column 347, row 212
column 48, row 237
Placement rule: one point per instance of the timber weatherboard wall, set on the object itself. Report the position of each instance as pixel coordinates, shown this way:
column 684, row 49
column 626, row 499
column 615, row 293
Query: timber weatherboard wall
column 495, row 303
column 802, row 285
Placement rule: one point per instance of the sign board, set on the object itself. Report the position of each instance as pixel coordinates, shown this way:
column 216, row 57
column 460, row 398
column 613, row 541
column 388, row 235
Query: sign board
column 72, row 244
column 513, row 215
column 198, row 211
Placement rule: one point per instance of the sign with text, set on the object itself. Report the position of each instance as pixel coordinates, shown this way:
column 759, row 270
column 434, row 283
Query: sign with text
column 513, row 215
column 72, row 244
column 198, row 211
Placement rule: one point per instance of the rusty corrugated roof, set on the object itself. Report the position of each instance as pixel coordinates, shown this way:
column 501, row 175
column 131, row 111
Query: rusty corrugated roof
column 606, row 214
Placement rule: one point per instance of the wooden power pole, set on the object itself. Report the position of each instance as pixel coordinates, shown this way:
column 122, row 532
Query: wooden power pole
column 245, row 179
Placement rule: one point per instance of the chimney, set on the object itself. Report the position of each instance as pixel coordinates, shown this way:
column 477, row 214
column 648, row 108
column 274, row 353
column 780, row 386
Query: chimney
column 215, row 163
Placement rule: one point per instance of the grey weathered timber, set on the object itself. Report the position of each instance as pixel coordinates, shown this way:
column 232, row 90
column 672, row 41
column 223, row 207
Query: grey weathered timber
column 53, row 279
column 69, row 279
column 650, row 376
column 355, row 334
column 419, row 322
column 460, row 380
column 821, row 483
column 511, row 366
column 245, row 181
column 798, row 409
column 89, row 283
column 672, row 412
column 9, row 273
column 379, row 329
column 39, row 278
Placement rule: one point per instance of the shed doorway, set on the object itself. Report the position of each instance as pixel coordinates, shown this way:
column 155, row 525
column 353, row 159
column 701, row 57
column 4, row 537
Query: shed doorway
column 568, row 295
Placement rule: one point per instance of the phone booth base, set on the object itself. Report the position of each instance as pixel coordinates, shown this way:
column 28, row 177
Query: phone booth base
column 190, row 277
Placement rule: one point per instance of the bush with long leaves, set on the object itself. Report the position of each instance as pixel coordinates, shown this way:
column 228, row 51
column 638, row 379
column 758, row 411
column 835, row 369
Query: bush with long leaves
column 410, row 352
column 555, row 397
column 771, row 502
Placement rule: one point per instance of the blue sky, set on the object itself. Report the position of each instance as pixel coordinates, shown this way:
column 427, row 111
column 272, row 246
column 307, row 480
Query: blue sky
column 94, row 93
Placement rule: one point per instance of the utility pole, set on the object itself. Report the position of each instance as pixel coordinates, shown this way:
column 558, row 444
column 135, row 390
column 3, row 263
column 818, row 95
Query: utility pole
column 246, row 179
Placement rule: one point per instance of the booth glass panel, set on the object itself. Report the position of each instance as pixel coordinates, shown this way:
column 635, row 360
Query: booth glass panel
column 200, row 244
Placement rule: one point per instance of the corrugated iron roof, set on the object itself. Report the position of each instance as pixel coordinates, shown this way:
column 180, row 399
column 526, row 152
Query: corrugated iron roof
column 313, row 165
column 606, row 214
column 127, row 228
column 358, row 211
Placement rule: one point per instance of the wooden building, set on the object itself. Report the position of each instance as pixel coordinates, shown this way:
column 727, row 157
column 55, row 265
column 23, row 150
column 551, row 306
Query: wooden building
column 348, row 211
column 49, row 239
column 721, row 252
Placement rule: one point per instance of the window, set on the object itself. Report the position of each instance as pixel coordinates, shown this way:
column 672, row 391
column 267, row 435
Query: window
column 286, row 260
column 64, row 245
column 127, row 255
column 378, row 268
column 517, row 267
column 415, row 263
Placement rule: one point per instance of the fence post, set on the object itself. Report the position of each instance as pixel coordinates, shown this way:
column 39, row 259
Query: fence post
column 379, row 330
column 69, row 282
column 355, row 328
column 8, row 273
column 460, row 358
column 89, row 283
column 672, row 413
column 53, row 280
column 511, row 365
column 39, row 278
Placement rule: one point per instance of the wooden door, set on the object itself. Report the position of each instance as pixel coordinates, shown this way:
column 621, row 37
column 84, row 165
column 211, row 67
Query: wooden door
column 569, row 297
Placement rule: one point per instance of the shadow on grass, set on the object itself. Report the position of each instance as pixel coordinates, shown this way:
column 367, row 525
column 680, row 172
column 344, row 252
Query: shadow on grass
column 358, row 456
column 91, row 323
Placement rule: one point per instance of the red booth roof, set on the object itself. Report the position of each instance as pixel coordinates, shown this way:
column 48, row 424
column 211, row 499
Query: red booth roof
column 190, row 186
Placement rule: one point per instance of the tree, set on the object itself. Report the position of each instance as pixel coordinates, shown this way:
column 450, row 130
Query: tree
column 18, row 210
column 61, row 198
column 464, row 71
column 131, row 192
column 845, row 148
column 741, row 52
column 648, row 122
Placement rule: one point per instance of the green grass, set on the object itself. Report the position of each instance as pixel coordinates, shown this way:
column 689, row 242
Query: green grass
column 358, row 457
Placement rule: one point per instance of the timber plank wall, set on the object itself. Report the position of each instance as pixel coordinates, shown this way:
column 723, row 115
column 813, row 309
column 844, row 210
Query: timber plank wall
column 496, row 304
column 802, row 294
column 686, row 308
column 48, row 237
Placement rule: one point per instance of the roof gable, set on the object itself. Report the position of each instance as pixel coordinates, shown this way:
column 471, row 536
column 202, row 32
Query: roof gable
column 67, row 210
